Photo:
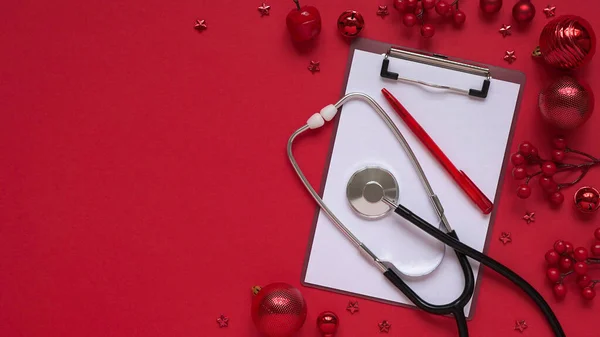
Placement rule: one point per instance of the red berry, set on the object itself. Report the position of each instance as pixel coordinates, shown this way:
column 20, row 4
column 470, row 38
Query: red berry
column 583, row 281
column 409, row 19
column 559, row 246
column 519, row 173
column 596, row 249
column 552, row 257
column 560, row 291
column 565, row 264
column 534, row 152
column 525, row 148
column 558, row 155
column 548, row 168
column 559, row 143
column 459, row 17
column 552, row 187
column 401, row 5
column 545, row 182
column 517, row 159
column 588, row 293
column 524, row 191
column 428, row 4
column 568, row 247
column 412, row 5
column 553, row 275
column 597, row 234
column 442, row 7
column 580, row 254
column 580, row 268
column 557, row 198
column 427, row 30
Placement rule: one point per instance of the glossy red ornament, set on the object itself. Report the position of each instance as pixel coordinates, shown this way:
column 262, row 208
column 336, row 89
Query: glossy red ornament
column 327, row 323
column 278, row 310
column 350, row 23
column 303, row 23
column 566, row 103
column 523, row 11
column 587, row 199
column 490, row 6
column 567, row 42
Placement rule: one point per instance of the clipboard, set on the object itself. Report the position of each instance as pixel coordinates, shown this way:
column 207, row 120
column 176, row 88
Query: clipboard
column 469, row 109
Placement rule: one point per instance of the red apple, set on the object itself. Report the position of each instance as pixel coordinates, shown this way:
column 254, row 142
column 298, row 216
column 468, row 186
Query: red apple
column 304, row 23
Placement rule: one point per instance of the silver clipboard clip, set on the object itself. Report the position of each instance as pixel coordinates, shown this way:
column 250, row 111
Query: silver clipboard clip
column 438, row 61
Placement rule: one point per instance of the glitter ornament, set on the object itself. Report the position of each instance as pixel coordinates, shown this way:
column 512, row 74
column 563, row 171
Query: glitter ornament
column 566, row 103
column 587, row 199
column 278, row 310
column 567, row 42
column 350, row 23
column 327, row 323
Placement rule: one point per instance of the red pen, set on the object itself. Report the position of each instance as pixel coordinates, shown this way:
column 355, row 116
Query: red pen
column 459, row 176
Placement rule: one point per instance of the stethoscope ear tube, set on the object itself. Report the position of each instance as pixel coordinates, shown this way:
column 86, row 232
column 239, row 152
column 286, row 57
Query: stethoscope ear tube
column 458, row 246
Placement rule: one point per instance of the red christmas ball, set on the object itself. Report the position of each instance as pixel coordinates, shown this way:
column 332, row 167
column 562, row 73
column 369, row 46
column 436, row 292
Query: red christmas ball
column 327, row 323
column 587, row 199
column 490, row 6
column 278, row 310
column 566, row 103
column 567, row 42
column 523, row 11
column 350, row 23
column 303, row 23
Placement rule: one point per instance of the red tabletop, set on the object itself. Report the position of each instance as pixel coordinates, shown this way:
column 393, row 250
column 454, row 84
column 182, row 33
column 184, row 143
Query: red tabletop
column 144, row 186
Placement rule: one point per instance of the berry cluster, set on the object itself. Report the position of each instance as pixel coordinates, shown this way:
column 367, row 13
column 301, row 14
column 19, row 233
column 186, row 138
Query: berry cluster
column 417, row 10
column 564, row 260
column 528, row 155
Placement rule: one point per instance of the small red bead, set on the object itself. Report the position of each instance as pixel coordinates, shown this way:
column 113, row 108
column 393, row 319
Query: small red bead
column 525, row 148
column 534, row 152
column 428, row 4
column 596, row 249
column 565, row 264
column 558, row 155
column 548, row 169
column 517, row 159
column 583, row 281
column 569, row 247
column 559, row 246
column 560, row 291
column 519, row 173
column 523, row 191
column 552, row 257
column 459, row 17
column 559, row 143
column 597, row 234
column 580, row 254
column 409, row 19
column 442, row 7
column 427, row 30
column 588, row 293
column 580, row 268
column 553, row 275
column 557, row 198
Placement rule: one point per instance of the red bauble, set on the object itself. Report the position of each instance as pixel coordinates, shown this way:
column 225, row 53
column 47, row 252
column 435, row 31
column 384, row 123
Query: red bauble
column 303, row 23
column 350, row 23
column 523, row 11
column 566, row 103
column 278, row 310
column 490, row 6
column 567, row 42
column 327, row 323
column 587, row 199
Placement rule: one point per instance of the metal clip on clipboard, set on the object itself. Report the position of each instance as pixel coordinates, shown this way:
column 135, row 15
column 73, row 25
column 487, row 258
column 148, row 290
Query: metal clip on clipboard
column 438, row 61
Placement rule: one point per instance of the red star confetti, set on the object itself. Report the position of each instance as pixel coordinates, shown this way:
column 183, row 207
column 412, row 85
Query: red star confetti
column 510, row 56
column 382, row 11
column 352, row 307
column 200, row 25
column 505, row 30
column 314, row 66
column 264, row 9
column 505, row 238
column 223, row 321
column 384, row 326
column 520, row 325
column 550, row 11
column 529, row 217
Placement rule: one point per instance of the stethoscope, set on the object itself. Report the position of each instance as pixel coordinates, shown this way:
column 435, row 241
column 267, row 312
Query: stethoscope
column 372, row 193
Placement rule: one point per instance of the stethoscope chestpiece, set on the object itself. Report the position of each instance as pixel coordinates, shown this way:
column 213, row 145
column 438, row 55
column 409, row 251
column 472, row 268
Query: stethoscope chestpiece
column 366, row 190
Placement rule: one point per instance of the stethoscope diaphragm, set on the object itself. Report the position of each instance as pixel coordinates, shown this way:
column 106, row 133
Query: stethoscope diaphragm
column 366, row 190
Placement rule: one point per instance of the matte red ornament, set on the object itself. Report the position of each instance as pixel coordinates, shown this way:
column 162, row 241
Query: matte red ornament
column 303, row 23
column 523, row 11
column 587, row 199
column 350, row 23
column 278, row 310
column 490, row 6
column 567, row 42
column 566, row 103
column 327, row 323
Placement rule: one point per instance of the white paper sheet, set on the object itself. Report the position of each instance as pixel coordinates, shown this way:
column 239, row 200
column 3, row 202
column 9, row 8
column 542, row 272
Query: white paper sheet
column 472, row 133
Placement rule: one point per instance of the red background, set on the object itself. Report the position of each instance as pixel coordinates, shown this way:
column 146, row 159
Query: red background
column 144, row 186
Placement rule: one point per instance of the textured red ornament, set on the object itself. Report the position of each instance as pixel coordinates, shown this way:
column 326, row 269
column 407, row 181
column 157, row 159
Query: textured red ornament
column 350, row 23
column 566, row 103
column 567, row 42
column 523, row 11
column 587, row 199
column 278, row 310
column 328, row 323
column 490, row 6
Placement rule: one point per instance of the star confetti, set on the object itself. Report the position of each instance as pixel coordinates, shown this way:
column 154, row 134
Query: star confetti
column 352, row 307
column 223, row 321
column 505, row 30
column 550, row 11
column 505, row 238
column 264, row 9
column 529, row 217
column 382, row 11
column 200, row 25
column 510, row 56
column 314, row 66
column 384, row 326
column 520, row 325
